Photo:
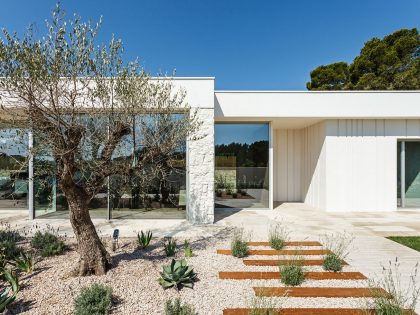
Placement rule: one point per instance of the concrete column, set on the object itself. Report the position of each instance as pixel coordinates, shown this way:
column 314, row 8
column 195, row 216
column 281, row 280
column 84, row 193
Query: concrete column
column 200, row 171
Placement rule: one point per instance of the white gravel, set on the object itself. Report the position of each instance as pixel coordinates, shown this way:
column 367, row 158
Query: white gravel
column 51, row 290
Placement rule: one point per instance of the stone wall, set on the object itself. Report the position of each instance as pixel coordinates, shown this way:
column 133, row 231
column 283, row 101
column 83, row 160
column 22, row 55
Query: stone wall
column 200, row 177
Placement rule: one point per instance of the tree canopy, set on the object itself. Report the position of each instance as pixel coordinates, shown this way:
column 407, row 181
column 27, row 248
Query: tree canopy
column 391, row 63
column 91, row 116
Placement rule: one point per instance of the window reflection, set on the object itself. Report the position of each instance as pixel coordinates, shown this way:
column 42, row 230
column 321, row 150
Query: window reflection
column 241, row 172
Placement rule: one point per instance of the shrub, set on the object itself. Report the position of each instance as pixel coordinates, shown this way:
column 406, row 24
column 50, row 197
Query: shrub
column 169, row 247
column 143, row 239
column 48, row 244
column 8, row 294
column 264, row 306
column 278, row 235
column 292, row 274
column 93, row 300
column 177, row 274
column 10, row 249
column 187, row 249
column 332, row 262
column 176, row 308
column 234, row 195
column 399, row 299
column 338, row 244
column 239, row 244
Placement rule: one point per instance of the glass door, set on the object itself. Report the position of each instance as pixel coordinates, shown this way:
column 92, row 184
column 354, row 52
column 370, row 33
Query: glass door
column 408, row 179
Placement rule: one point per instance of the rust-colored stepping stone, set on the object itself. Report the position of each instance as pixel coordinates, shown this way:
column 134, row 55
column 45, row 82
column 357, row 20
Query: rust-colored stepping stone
column 303, row 243
column 277, row 262
column 271, row 275
column 273, row 252
column 307, row 311
column 320, row 292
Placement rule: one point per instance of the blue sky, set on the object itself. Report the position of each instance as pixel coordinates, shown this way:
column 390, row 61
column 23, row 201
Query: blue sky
column 246, row 45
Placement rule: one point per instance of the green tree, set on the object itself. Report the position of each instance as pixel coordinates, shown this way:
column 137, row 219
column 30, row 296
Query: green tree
column 81, row 102
column 391, row 63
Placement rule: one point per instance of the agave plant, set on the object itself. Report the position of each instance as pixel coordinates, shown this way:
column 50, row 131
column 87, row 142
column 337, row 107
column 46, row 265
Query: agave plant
column 169, row 246
column 26, row 262
column 8, row 294
column 177, row 274
column 143, row 239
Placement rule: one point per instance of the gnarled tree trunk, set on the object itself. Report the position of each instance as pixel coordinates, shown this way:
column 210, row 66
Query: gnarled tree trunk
column 94, row 259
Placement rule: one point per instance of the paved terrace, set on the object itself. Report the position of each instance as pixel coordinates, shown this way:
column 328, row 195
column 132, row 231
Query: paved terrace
column 370, row 250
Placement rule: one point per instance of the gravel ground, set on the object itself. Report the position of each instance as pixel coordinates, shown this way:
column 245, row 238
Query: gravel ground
column 51, row 289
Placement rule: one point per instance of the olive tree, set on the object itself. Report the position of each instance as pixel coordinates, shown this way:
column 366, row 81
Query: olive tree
column 83, row 105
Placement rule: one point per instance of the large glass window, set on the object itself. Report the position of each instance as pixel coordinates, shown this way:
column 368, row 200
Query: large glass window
column 161, row 195
column 242, row 165
column 13, row 169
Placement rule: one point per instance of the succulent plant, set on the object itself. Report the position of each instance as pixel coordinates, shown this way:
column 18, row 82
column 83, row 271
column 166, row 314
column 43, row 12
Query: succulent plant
column 169, row 246
column 26, row 262
column 187, row 249
column 143, row 239
column 8, row 294
column 177, row 274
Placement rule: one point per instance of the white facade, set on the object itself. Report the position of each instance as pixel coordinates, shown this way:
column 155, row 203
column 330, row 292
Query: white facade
column 336, row 151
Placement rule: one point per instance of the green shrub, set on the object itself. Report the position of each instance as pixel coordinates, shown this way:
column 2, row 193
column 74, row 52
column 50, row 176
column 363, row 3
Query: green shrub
column 176, row 308
column 143, row 239
column 48, row 244
column 169, row 246
column 177, row 274
column 332, row 262
column 292, row 274
column 187, row 249
column 278, row 235
column 93, row 300
column 10, row 249
column 239, row 244
column 338, row 244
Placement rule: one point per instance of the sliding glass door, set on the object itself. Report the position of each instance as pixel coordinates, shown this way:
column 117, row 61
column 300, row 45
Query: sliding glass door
column 408, row 179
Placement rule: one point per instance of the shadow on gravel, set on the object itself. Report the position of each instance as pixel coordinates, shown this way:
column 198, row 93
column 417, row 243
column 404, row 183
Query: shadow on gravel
column 155, row 252
column 19, row 306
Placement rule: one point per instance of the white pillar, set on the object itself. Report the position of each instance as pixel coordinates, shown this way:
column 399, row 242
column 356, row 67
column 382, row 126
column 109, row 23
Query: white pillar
column 200, row 171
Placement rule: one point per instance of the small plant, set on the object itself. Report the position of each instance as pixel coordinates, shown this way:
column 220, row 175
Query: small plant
column 143, row 239
column 187, row 249
column 177, row 274
column 398, row 298
column 169, row 247
column 292, row 273
column 8, row 294
column 259, row 305
column 176, row 308
column 235, row 195
column 338, row 244
column 93, row 300
column 239, row 244
column 278, row 235
column 26, row 262
column 332, row 262
column 48, row 244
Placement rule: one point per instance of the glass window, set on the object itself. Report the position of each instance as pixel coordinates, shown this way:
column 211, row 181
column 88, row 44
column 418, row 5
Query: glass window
column 13, row 169
column 242, row 165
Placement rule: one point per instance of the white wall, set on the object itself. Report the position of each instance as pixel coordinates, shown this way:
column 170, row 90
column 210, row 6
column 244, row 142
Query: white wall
column 299, row 165
column 362, row 162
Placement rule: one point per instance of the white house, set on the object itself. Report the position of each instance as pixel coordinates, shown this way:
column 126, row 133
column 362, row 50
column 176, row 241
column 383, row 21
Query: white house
column 336, row 151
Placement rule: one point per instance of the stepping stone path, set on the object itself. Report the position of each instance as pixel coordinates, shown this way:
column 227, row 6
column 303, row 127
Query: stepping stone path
column 299, row 292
